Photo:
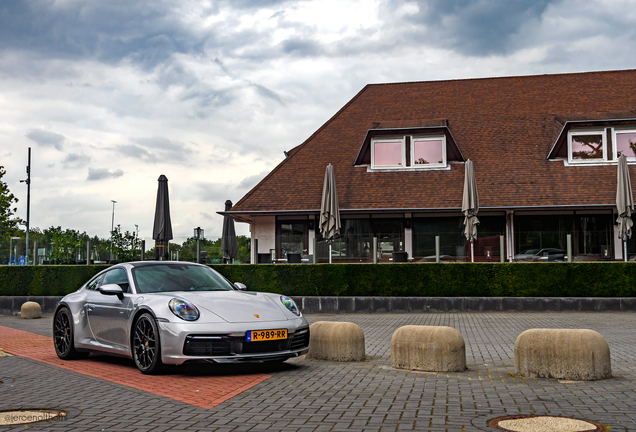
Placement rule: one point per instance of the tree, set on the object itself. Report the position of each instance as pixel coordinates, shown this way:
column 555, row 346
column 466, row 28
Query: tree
column 65, row 244
column 7, row 209
column 126, row 246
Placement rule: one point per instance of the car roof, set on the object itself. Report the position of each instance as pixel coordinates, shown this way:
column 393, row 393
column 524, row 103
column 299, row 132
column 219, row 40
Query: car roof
column 135, row 264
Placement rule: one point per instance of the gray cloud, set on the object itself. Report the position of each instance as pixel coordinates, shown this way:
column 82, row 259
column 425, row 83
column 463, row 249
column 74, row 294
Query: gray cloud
column 146, row 33
column 481, row 27
column 165, row 149
column 260, row 89
column 156, row 150
column 95, row 174
column 136, row 152
column 46, row 139
column 74, row 160
column 302, row 47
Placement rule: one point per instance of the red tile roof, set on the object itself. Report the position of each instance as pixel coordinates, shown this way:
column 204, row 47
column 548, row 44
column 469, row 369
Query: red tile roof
column 507, row 126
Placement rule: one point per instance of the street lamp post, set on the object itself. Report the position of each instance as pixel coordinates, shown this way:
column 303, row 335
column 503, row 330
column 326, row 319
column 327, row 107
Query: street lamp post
column 112, row 228
column 137, row 240
column 198, row 234
column 11, row 246
column 28, row 220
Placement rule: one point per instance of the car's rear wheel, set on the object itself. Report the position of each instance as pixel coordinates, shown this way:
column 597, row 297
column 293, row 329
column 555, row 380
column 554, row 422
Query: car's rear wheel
column 63, row 335
column 146, row 345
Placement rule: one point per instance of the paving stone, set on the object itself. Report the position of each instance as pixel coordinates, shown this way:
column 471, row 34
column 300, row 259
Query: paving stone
column 314, row 395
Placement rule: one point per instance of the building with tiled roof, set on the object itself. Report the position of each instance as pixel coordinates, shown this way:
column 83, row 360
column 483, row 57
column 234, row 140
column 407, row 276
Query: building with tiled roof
column 544, row 150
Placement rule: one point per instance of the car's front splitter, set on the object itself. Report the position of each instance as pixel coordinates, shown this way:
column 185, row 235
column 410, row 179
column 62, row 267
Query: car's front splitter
column 173, row 337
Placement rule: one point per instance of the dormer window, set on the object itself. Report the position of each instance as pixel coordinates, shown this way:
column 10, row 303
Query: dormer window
column 428, row 151
column 408, row 152
column 595, row 142
column 388, row 153
column 418, row 146
column 587, row 146
column 625, row 142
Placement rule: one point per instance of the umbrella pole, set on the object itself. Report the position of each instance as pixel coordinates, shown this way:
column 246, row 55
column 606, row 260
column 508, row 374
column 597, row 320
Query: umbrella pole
column 472, row 251
column 329, row 252
column 625, row 250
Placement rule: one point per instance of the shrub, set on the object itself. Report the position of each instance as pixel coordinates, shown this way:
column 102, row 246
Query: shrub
column 612, row 279
column 47, row 280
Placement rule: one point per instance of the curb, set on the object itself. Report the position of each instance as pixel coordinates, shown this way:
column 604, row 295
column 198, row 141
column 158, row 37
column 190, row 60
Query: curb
column 463, row 304
column 314, row 304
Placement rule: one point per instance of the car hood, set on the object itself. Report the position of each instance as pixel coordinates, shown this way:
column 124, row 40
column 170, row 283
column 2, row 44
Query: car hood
column 237, row 306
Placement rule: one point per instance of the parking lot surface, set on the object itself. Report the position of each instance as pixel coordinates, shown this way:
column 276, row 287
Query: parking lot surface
column 313, row 395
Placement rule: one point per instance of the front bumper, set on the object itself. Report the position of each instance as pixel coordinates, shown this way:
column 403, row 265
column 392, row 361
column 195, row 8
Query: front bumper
column 226, row 342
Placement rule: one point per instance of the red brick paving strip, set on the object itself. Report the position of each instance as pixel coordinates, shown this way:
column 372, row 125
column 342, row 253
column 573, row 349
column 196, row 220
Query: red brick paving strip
column 202, row 391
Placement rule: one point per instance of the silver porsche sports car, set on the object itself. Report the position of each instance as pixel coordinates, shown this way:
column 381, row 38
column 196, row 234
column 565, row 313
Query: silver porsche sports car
column 172, row 312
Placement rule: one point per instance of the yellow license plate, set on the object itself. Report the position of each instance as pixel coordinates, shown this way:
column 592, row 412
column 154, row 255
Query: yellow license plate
column 265, row 335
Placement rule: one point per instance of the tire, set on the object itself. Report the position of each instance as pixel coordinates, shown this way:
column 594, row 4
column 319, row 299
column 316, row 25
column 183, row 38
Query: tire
column 63, row 336
column 146, row 346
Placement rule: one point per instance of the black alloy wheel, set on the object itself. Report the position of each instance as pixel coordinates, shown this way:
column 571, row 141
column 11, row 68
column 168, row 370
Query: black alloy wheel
column 146, row 346
column 63, row 336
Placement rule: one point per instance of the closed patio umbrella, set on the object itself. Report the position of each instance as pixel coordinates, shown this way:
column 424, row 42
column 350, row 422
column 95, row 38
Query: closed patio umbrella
column 162, row 230
column 329, row 211
column 228, row 239
column 624, row 203
column 470, row 206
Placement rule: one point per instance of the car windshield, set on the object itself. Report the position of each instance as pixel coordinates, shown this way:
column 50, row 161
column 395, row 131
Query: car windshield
column 178, row 277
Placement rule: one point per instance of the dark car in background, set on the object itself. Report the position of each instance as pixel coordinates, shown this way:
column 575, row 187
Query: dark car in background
column 545, row 254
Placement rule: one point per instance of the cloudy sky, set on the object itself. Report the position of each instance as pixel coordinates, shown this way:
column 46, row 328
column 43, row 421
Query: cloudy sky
column 111, row 94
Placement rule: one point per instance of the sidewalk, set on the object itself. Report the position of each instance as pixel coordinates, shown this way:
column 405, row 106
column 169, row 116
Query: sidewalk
column 313, row 395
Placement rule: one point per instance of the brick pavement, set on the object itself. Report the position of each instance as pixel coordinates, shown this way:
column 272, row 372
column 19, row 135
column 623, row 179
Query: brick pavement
column 308, row 395
column 204, row 392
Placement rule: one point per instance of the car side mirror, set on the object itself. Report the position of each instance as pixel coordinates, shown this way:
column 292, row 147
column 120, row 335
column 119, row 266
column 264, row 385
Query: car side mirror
column 111, row 289
column 240, row 286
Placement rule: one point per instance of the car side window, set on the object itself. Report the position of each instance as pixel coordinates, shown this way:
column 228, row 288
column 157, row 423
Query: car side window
column 94, row 284
column 117, row 276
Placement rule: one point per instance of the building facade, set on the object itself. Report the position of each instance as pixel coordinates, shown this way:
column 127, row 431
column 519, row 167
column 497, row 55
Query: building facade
column 544, row 149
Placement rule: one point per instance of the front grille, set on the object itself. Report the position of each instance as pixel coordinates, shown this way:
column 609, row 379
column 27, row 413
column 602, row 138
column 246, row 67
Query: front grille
column 299, row 340
column 210, row 345
column 206, row 346
column 265, row 346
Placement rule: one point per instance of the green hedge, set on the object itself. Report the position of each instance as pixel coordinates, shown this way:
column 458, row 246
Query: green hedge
column 611, row 279
column 598, row 279
column 49, row 280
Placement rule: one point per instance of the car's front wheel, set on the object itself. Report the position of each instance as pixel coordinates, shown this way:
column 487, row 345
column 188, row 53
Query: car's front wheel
column 63, row 334
column 146, row 345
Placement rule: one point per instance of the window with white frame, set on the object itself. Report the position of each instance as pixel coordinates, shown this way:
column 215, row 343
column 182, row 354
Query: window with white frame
column 624, row 141
column 587, row 146
column 428, row 151
column 388, row 153
column 424, row 151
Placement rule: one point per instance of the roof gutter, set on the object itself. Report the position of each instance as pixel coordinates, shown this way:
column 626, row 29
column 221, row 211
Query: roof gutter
column 239, row 213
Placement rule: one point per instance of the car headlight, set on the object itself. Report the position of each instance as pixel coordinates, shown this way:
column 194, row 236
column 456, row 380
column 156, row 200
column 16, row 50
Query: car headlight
column 290, row 304
column 184, row 309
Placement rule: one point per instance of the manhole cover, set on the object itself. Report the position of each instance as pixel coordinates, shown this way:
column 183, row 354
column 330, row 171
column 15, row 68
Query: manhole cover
column 541, row 423
column 18, row 417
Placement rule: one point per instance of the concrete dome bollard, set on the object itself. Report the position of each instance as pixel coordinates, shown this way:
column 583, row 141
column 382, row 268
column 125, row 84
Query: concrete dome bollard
column 580, row 355
column 30, row 310
column 336, row 341
column 428, row 348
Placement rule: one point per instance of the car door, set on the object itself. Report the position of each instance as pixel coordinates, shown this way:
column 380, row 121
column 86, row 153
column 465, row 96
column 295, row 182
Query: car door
column 108, row 314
